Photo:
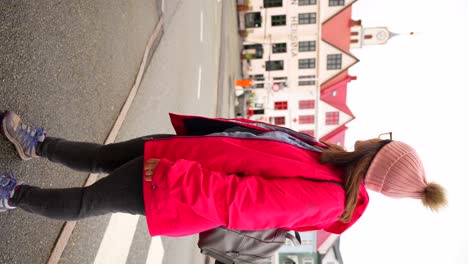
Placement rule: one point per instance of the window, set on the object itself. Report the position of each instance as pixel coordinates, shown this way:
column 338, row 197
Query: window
column 306, row 63
column 280, row 78
column 279, row 20
column 306, row 104
column 272, row 3
column 279, row 48
column 334, row 62
column 336, row 3
column 307, row 18
column 307, row 2
column 276, row 86
column 306, row 119
column 309, row 82
column 256, row 49
column 281, row 105
column 332, row 118
column 278, row 120
column 277, row 65
column 306, row 46
column 253, row 20
column 259, row 111
column 308, row 260
column 310, row 133
column 257, row 77
column 307, row 77
column 306, row 83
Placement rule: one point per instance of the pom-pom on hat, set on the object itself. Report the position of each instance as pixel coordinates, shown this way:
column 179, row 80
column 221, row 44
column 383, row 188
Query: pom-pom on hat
column 397, row 171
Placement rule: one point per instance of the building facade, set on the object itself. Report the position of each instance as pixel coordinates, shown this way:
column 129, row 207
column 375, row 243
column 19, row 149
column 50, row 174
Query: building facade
column 297, row 52
column 318, row 247
column 306, row 253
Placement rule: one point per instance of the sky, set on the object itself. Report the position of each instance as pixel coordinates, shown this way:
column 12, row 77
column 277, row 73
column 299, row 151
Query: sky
column 414, row 86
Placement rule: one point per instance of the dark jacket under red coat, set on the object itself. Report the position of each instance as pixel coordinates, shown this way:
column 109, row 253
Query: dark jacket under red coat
column 203, row 182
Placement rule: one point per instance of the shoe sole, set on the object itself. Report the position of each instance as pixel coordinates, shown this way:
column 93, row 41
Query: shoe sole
column 12, row 140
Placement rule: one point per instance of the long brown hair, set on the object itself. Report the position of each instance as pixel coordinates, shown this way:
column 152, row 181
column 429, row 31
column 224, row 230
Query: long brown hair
column 355, row 165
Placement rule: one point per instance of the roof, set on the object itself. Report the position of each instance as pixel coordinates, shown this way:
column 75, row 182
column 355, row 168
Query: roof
column 336, row 94
column 337, row 135
column 321, row 237
column 325, row 242
column 337, row 31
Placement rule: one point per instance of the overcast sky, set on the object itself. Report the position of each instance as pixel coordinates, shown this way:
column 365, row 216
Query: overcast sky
column 416, row 87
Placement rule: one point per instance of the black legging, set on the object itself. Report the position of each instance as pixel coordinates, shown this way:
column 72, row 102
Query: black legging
column 120, row 191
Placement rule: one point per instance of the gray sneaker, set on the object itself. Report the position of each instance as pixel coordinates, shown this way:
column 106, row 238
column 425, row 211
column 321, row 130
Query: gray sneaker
column 8, row 185
column 25, row 137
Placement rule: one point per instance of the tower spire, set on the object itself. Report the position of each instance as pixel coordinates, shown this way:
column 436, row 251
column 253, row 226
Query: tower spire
column 363, row 36
column 412, row 33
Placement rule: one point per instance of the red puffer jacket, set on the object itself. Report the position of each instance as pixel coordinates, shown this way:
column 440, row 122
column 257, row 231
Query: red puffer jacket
column 203, row 182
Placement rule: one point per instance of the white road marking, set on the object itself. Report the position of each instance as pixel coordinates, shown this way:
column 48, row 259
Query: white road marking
column 201, row 26
column 199, row 81
column 117, row 240
column 156, row 251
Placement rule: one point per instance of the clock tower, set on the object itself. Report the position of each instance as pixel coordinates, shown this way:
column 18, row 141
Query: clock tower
column 363, row 36
column 375, row 36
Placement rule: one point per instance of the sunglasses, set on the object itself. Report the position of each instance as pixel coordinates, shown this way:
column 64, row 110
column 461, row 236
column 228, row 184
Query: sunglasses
column 387, row 135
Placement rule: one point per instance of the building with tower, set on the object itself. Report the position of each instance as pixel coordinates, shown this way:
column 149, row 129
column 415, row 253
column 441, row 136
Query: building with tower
column 297, row 52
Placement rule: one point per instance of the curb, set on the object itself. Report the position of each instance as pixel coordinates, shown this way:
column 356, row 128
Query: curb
column 69, row 226
column 219, row 100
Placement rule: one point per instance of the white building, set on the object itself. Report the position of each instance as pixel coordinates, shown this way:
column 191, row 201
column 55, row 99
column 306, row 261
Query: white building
column 318, row 247
column 297, row 53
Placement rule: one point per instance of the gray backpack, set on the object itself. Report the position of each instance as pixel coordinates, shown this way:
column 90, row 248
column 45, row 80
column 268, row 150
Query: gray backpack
column 228, row 246
column 246, row 247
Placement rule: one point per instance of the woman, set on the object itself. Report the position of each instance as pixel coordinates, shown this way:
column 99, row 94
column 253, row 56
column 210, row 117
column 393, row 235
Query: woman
column 219, row 172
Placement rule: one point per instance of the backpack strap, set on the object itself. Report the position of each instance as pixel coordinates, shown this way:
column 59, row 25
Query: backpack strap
column 296, row 238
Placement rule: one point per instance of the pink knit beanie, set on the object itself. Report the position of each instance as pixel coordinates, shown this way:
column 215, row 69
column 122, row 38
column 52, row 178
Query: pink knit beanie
column 397, row 171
